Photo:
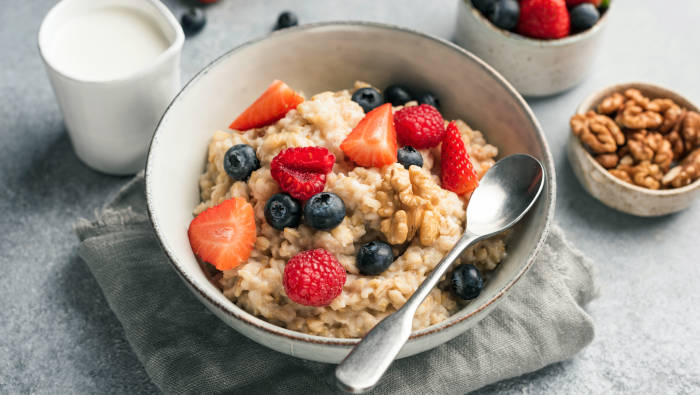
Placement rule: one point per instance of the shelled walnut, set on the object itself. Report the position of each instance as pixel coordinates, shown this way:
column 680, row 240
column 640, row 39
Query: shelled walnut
column 649, row 142
column 408, row 200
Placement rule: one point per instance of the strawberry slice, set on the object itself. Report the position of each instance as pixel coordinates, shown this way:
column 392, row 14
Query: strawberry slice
column 224, row 235
column 301, row 171
column 456, row 170
column 373, row 141
column 270, row 107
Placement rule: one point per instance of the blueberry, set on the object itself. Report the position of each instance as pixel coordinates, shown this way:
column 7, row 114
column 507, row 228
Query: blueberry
column 286, row 19
column 430, row 99
column 368, row 98
column 324, row 211
column 193, row 21
column 467, row 282
column 374, row 257
column 483, row 5
column 408, row 156
column 503, row 13
column 282, row 211
column 397, row 95
column 240, row 161
column 583, row 17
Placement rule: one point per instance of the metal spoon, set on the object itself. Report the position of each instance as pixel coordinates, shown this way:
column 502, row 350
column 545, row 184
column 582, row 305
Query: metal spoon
column 507, row 191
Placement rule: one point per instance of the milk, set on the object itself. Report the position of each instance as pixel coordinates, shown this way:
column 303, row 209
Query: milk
column 106, row 43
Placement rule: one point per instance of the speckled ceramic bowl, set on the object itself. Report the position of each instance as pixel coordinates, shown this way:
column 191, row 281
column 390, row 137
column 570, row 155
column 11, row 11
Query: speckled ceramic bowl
column 320, row 57
column 614, row 192
column 534, row 67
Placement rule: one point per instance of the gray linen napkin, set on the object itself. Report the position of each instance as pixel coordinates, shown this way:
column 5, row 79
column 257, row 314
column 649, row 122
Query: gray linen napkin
column 186, row 349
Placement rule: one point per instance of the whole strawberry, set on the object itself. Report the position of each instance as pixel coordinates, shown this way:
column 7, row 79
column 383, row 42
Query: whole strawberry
column 456, row 170
column 546, row 19
column 419, row 126
column 313, row 278
column 301, row 172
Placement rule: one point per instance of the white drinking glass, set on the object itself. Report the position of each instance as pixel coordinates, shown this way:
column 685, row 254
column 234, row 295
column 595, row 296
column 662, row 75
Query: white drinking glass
column 111, row 110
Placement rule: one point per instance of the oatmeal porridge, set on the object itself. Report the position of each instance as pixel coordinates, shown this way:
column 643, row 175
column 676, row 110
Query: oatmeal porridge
column 404, row 207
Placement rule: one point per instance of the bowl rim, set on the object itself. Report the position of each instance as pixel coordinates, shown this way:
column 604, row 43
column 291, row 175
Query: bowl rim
column 589, row 104
column 260, row 324
column 540, row 43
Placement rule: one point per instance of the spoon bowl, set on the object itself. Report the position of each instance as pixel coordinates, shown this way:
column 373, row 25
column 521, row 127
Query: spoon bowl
column 505, row 194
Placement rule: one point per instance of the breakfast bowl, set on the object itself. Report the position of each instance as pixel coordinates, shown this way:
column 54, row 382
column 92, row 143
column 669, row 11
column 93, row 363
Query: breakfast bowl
column 611, row 190
column 322, row 57
column 534, row 67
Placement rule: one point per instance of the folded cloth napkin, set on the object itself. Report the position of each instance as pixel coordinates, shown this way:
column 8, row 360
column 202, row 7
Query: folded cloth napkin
column 186, row 349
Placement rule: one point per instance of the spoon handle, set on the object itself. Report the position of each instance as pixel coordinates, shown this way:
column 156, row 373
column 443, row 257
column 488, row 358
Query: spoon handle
column 367, row 362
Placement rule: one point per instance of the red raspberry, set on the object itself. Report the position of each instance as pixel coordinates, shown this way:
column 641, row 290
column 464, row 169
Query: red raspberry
column 301, row 172
column 419, row 126
column 313, row 278
column 545, row 19
column 456, row 170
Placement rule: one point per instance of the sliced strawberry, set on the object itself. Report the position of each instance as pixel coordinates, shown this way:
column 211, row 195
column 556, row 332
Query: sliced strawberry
column 373, row 141
column 270, row 107
column 301, row 171
column 456, row 170
column 224, row 235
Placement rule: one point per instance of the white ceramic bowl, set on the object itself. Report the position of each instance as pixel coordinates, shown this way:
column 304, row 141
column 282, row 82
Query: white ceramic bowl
column 315, row 58
column 614, row 192
column 534, row 67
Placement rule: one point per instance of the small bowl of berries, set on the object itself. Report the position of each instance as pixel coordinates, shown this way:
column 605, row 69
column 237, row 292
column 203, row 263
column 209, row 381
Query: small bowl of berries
column 542, row 47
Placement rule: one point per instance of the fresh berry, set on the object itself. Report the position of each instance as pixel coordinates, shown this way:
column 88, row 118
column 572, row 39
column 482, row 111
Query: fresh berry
column 409, row 156
column 373, row 141
column 397, row 95
column 456, row 170
column 286, row 19
column 301, row 171
column 483, row 5
column 224, row 235
column 193, row 20
column 573, row 3
column 546, row 19
column 374, row 257
column 429, row 99
column 324, row 211
column 239, row 161
column 282, row 211
column 583, row 17
column 270, row 107
column 467, row 282
column 313, row 278
column 368, row 98
column 419, row 126
column 503, row 13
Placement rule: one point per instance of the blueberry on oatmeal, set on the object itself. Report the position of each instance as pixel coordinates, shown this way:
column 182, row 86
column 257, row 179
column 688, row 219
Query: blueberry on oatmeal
column 467, row 282
column 324, row 211
column 282, row 211
column 240, row 161
column 368, row 98
column 409, row 156
column 397, row 95
column 429, row 99
column 374, row 257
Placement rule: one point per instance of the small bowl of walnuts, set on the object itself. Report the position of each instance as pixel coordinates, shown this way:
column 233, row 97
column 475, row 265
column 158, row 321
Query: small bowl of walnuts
column 636, row 148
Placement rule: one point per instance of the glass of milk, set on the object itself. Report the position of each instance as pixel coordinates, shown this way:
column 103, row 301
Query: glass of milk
column 114, row 66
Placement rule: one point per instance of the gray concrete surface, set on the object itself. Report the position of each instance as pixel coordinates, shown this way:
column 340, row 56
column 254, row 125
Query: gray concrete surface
column 58, row 335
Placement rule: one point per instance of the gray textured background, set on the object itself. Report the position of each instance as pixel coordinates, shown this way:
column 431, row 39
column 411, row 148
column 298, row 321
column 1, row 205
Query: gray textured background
column 57, row 334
